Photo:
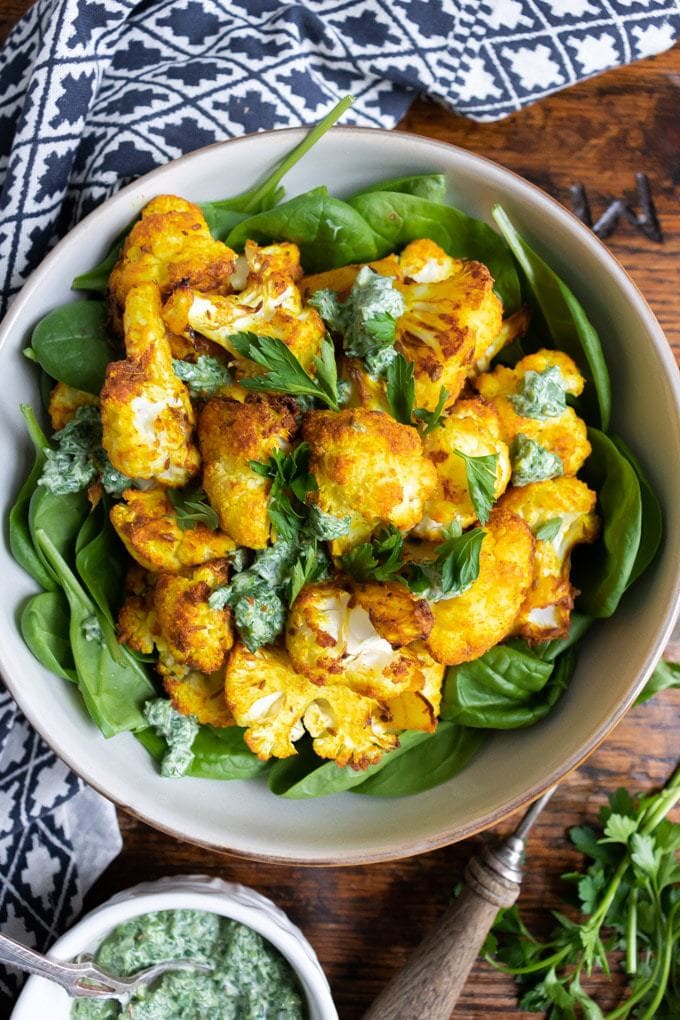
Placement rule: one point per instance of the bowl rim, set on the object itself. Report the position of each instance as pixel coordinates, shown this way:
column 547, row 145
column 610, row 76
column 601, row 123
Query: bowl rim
column 664, row 626
column 209, row 894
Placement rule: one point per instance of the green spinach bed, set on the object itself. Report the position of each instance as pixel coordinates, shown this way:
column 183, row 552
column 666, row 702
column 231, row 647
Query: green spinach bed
column 75, row 556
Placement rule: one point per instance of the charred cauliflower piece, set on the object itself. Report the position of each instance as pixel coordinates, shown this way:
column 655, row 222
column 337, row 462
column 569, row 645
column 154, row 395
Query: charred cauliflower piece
column 561, row 514
column 367, row 467
column 468, row 625
column 147, row 417
column 340, row 280
column 269, row 305
column 473, row 428
column 276, row 704
column 397, row 615
column 443, row 327
column 171, row 246
column 137, row 625
column 147, row 525
column 332, row 640
column 419, row 710
column 512, row 328
column 526, row 398
column 194, row 634
column 194, row 693
column 64, row 402
column 231, row 435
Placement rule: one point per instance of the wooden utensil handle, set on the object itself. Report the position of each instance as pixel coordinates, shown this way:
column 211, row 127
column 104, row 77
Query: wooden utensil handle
column 428, row 987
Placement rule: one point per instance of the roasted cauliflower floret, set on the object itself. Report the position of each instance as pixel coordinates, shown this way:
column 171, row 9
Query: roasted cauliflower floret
column 171, row 246
column 419, row 710
column 472, row 428
column 561, row 514
column 64, row 402
column 231, row 435
column 423, row 261
column 512, row 328
column 332, row 640
column 276, row 704
column 398, row 616
column 444, row 326
column 468, row 625
column 527, row 400
column 147, row 525
column 340, row 280
column 137, row 625
column 195, row 635
column 195, row 693
column 368, row 467
column 147, row 417
column 269, row 305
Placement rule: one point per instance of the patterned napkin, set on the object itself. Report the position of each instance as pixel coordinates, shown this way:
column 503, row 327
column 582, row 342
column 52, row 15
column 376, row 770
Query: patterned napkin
column 94, row 93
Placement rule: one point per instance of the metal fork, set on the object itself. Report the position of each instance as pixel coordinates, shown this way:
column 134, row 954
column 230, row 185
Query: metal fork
column 83, row 978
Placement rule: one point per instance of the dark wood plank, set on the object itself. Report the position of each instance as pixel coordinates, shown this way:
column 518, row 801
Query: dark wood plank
column 364, row 921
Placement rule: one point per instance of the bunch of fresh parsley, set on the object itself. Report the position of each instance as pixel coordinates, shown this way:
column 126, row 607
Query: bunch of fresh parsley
column 629, row 902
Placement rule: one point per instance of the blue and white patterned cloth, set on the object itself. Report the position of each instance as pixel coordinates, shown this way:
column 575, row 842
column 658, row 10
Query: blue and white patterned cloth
column 94, row 93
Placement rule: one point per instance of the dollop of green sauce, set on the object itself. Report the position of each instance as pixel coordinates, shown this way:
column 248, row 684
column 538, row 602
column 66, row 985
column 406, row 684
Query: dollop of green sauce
column 531, row 462
column 541, row 395
column 250, row 979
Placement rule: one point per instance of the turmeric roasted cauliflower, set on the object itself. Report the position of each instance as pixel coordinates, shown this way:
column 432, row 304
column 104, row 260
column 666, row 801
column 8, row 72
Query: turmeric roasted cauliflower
column 147, row 416
column 231, row 435
column 64, row 402
column 369, row 468
column 561, row 514
column 277, row 705
column 195, row 634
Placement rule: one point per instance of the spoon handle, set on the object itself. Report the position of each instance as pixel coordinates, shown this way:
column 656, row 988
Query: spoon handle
column 430, row 983
column 14, row 954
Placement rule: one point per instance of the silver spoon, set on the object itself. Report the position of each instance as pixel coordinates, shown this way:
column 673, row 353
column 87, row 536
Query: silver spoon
column 84, row 979
column 430, row 983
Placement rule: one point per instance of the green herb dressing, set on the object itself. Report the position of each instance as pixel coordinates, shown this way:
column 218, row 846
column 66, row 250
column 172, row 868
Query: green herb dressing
column 250, row 979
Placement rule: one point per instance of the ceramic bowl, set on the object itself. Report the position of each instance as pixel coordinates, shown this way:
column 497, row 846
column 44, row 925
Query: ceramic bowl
column 192, row 892
column 618, row 655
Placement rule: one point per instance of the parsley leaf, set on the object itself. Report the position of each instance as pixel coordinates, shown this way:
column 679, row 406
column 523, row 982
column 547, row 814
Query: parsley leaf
column 481, row 481
column 326, row 526
column 291, row 481
column 433, row 419
column 401, row 389
column 381, row 559
column 284, row 373
column 548, row 530
column 454, row 570
column 311, row 565
column 382, row 327
column 192, row 508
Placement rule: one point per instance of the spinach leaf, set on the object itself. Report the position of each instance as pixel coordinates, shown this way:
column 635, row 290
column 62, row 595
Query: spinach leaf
column 61, row 517
column 218, row 753
column 429, row 186
column 604, row 573
column 565, row 319
column 114, row 689
column 101, row 561
column 328, row 232
column 44, row 624
column 20, row 538
column 395, row 219
column 430, row 762
column 71, row 344
column 652, row 515
column 97, row 278
column 665, row 677
column 497, row 691
column 305, row 775
column 220, row 219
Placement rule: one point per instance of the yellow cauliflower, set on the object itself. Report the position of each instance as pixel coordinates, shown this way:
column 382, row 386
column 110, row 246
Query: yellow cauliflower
column 231, row 435
column 331, row 639
column 398, row 616
column 340, row 280
column 277, row 705
column 565, row 509
column 194, row 634
column 137, row 625
column 147, row 417
column 64, row 402
column 171, row 246
column 419, row 710
column 147, row 525
column 473, row 428
column 195, row 693
column 269, row 305
column 367, row 467
column 512, row 328
column 468, row 625
column 564, row 434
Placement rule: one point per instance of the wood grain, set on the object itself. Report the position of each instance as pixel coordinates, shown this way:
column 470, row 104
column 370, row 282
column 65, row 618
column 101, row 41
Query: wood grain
column 364, row 921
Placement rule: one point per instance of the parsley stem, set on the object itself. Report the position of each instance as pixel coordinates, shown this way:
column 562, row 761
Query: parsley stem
column 662, row 803
column 549, row 961
column 631, row 933
column 666, row 958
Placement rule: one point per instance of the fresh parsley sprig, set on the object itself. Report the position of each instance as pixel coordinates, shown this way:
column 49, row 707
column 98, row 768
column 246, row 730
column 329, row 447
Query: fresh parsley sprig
column 401, row 393
column 381, row 559
column 291, row 481
column 455, row 568
column 480, row 473
column 192, row 508
column 629, row 898
column 284, row 373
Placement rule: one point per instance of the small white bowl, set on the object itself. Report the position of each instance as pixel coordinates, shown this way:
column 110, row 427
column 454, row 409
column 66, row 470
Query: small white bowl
column 190, row 892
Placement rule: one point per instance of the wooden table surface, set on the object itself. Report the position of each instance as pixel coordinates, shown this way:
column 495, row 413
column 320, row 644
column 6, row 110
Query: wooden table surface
column 364, row 921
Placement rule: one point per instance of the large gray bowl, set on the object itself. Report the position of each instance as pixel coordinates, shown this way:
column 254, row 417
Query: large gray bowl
column 618, row 655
